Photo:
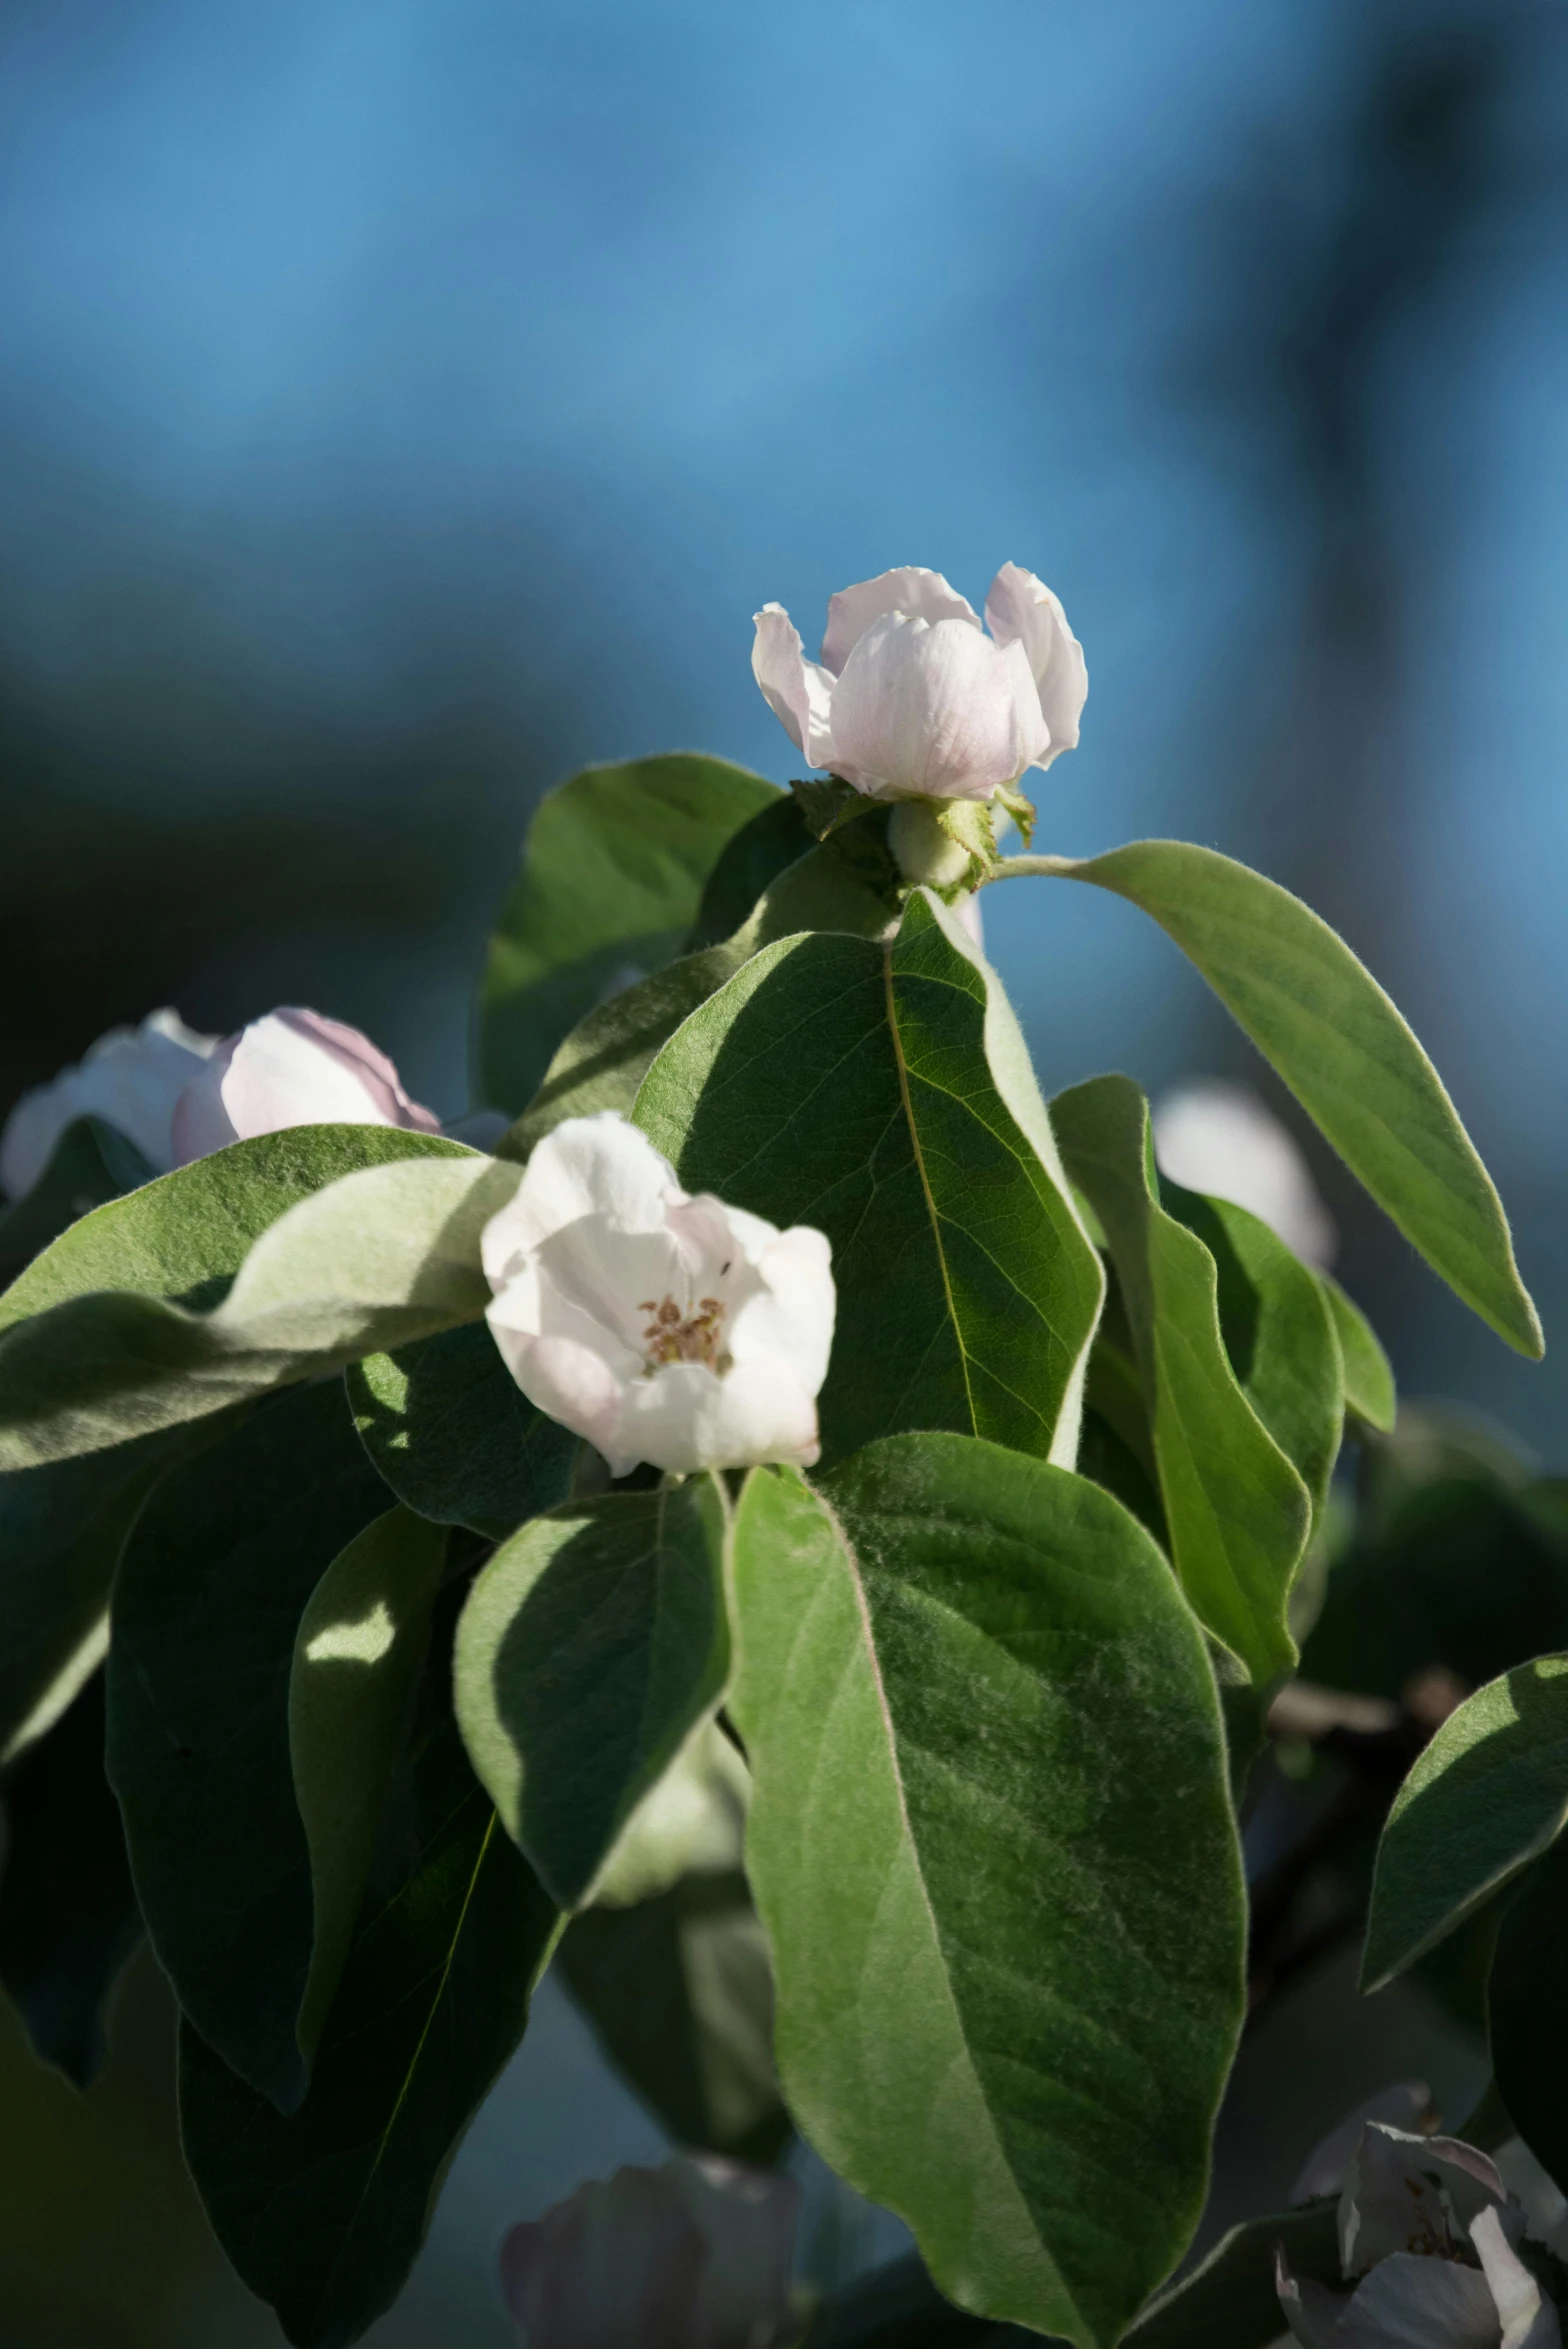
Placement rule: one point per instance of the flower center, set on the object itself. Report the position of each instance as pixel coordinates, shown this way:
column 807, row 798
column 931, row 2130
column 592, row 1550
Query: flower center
column 693, row 1337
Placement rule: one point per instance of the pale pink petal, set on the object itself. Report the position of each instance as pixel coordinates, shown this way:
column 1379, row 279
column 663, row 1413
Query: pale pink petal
column 1021, row 609
column 601, row 1165
column 1409, row 2302
column 918, row 594
column 1400, row 2188
column 790, row 1317
column 937, row 712
column 1325, row 2167
column 748, row 2220
column 796, row 690
column 615, row 2266
column 132, row 1078
column 1310, row 2309
column 1528, row 2320
column 685, row 1417
column 293, row 1068
column 569, row 1382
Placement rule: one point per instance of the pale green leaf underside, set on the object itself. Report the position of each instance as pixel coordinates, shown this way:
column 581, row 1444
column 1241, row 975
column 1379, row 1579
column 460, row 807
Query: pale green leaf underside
column 1238, row 1512
column 1488, row 1795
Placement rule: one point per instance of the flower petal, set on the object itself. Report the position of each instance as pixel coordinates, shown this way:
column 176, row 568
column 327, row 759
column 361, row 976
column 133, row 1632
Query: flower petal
column 1021, row 609
column 1399, row 2192
column 1528, row 2320
column 600, row 1165
column 293, row 1068
column 789, row 1317
column 796, row 690
column 933, row 711
column 1311, row 2310
column 1409, row 2302
column 1323, row 2171
column 1222, row 1139
column 686, row 1417
column 568, row 1381
column 131, row 1078
column 918, row 594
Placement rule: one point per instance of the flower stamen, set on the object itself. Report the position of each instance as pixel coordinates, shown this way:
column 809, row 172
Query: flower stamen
column 697, row 1336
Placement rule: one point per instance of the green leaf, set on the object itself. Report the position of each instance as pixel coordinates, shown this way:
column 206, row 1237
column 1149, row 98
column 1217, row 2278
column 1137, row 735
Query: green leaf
column 775, row 838
column 208, row 1600
column 68, row 1914
column 1229, row 2300
column 1237, row 1510
column 882, row 1093
column 352, row 1681
column 1487, row 1796
column 898, row 2307
column 1369, row 1381
column 62, row 1527
column 1325, row 1025
column 592, row 1646
column 1278, row 1331
column 991, row 1842
column 374, row 1261
column 1527, row 2018
column 187, row 1234
column 679, row 1992
column 448, row 1428
column 90, row 1163
column 613, row 873
column 322, row 2211
column 605, row 1058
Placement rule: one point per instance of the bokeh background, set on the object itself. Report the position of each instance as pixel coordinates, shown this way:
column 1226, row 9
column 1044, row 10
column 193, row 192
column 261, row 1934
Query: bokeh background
column 403, row 402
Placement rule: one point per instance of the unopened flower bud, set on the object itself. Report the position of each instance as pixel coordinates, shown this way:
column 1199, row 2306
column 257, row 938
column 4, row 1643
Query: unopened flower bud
column 292, row 1068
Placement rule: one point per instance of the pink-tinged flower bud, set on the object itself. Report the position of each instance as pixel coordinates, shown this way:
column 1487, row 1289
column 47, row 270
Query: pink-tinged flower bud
column 131, row 1078
column 292, row 1068
column 693, row 2255
column 913, row 700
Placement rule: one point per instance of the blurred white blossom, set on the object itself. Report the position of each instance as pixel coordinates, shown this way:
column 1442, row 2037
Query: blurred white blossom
column 1429, row 2249
column 693, row 2255
column 292, row 1068
column 131, row 1078
column 1221, row 1139
column 912, row 699
column 659, row 1326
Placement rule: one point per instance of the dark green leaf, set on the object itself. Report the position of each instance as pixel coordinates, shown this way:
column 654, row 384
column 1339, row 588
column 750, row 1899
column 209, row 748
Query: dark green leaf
column 355, row 1670
column 1339, row 1043
column 1527, row 2015
column 591, row 1647
column 1278, row 1331
column 376, row 1260
column 680, row 1995
column 449, row 1430
column 607, row 1055
column 1237, row 1510
column 883, row 1095
column 1369, row 1381
column 90, row 1163
column 898, row 2307
column 991, row 1842
column 323, row 2211
column 776, row 837
column 1488, row 1795
column 1229, row 2300
column 68, row 1914
column 208, row 1599
column 613, row 872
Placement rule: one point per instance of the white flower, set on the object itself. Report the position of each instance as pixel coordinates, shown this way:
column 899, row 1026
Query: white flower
column 131, row 1078
column 660, row 1327
column 1428, row 2227
column 1223, row 1140
column 912, row 700
column 693, row 2255
column 292, row 1068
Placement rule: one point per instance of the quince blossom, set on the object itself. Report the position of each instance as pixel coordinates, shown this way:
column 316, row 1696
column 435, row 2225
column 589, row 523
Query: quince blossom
column 1428, row 2239
column 292, row 1068
column 693, row 2255
column 131, row 1079
column 658, row 1326
column 913, row 700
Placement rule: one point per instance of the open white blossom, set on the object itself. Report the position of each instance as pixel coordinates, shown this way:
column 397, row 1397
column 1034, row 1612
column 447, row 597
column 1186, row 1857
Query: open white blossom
column 661, row 1327
column 1221, row 1139
column 292, row 1068
column 1429, row 2246
column 693, row 2255
column 912, row 699
column 131, row 1078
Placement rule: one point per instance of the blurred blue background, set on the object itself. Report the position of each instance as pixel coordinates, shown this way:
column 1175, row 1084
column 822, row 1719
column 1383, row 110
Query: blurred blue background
column 403, row 403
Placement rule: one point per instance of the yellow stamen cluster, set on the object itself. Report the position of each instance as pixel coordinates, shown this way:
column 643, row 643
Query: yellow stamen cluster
column 693, row 1337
